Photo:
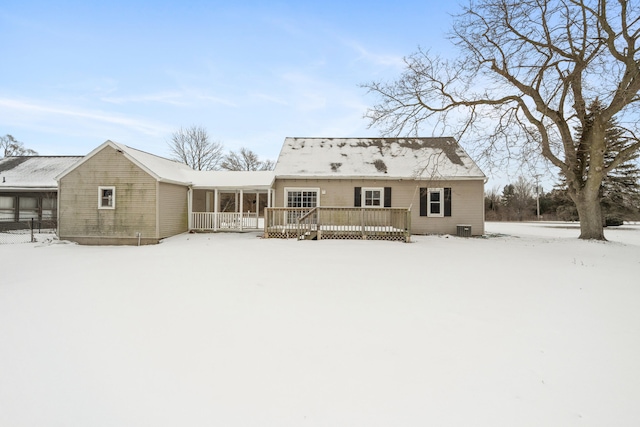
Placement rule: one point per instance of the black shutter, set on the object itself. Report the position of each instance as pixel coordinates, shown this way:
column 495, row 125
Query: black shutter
column 423, row 202
column 357, row 197
column 387, row 197
column 447, row 201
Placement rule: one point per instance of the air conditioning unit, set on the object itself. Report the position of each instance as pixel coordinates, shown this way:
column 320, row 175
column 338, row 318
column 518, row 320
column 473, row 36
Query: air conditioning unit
column 463, row 230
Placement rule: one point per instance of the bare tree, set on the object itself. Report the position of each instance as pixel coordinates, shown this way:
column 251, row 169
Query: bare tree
column 525, row 73
column 245, row 160
column 193, row 147
column 10, row 147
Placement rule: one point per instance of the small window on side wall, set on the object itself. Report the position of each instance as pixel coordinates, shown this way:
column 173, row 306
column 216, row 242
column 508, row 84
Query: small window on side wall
column 106, row 197
column 435, row 202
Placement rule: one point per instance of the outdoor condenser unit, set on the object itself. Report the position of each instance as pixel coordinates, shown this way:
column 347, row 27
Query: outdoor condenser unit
column 463, row 230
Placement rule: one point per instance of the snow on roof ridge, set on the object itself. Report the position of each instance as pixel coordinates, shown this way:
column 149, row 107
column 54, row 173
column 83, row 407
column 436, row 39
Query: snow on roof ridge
column 381, row 157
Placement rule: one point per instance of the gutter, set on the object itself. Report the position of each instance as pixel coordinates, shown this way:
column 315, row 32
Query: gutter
column 385, row 178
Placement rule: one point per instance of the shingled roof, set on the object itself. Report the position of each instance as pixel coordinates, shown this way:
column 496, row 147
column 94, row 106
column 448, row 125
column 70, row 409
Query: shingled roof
column 33, row 172
column 382, row 158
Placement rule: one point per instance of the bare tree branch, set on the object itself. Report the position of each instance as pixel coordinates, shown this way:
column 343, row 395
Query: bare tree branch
column 192, row 147
column 526, row 71
column 245, row 160
column 9, row 146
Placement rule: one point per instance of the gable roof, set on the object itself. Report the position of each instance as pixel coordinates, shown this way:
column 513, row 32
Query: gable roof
column 32, row 173
column 381, row 158
column 161, row 169
column 172, row 171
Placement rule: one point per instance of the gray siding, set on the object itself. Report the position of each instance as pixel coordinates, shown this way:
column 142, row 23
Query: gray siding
column 467, row 200
column 173, row 209
column 135, row 211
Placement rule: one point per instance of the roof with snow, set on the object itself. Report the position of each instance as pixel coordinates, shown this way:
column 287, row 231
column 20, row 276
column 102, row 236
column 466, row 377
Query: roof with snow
column 31, row 173
column 162, row 169
column 227, row 180
column 172, row 171
column 382, row 158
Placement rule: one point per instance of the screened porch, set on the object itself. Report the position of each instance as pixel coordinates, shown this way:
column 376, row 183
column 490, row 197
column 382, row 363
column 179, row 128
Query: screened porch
column 230, row 201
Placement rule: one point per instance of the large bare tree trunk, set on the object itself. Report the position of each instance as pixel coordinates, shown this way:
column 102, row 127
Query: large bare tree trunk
column 588, row 204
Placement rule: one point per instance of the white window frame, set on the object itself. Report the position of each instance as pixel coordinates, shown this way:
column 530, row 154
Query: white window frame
column 292, row 189
column 363, row 199
column 113, row 197
column 431, row 191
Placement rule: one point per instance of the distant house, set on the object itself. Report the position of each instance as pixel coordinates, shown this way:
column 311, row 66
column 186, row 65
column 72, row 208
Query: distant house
column 28, row 190
column 432, row 177
column 386, row 188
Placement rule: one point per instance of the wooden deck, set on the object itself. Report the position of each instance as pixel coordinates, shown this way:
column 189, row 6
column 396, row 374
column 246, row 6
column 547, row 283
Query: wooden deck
column 338, row 223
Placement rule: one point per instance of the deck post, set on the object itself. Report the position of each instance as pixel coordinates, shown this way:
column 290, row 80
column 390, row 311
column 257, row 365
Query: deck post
column 257, row 208
column 216, row 202
column 190, row 208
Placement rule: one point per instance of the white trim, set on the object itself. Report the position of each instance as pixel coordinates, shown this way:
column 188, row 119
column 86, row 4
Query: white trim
column 363, row 191
column 440, row 191
column 287, row 189
column 113, row 196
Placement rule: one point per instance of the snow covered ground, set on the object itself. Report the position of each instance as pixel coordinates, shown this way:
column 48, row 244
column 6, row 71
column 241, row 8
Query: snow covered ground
column 526, row 327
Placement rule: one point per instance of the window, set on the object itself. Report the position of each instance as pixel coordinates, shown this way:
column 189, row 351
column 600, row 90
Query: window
column 7, row 208
column 106, row 197
column 435, row 202
column 301, row 198
column 28, row 208
column 49, row 208
column 435, row 198
column 372, row 196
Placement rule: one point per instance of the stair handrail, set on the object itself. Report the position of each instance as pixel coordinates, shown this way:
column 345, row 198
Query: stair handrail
column 304, row 218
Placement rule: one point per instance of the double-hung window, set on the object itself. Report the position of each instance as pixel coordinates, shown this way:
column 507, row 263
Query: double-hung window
column 106, row 197
column 372, row 197
column 435, row 202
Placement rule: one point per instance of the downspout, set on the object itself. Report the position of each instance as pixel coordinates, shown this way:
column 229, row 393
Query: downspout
column 58, row 210
column 157, row 209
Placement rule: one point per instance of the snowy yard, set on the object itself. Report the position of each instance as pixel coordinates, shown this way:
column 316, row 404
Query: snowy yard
column 527, row 327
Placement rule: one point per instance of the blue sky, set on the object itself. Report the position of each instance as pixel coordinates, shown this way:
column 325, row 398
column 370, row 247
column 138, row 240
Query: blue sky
column 78, row 73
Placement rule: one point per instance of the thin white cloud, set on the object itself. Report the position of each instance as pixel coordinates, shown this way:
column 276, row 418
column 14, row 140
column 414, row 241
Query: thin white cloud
column 171, row 98
column 176, row 98
column 42, row 111
column 269, row 98
column 374, row 58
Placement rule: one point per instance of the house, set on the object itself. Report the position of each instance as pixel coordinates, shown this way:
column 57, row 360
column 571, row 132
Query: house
column 28, row 190
column 386, row 188
column 117, row 195
column 434, row 179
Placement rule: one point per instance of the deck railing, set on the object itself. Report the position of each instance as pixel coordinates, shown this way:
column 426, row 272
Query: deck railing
column 214, row 221
column 338, row 223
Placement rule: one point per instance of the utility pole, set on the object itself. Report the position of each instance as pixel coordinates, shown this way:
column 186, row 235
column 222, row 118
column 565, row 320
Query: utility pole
column 537, row 197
